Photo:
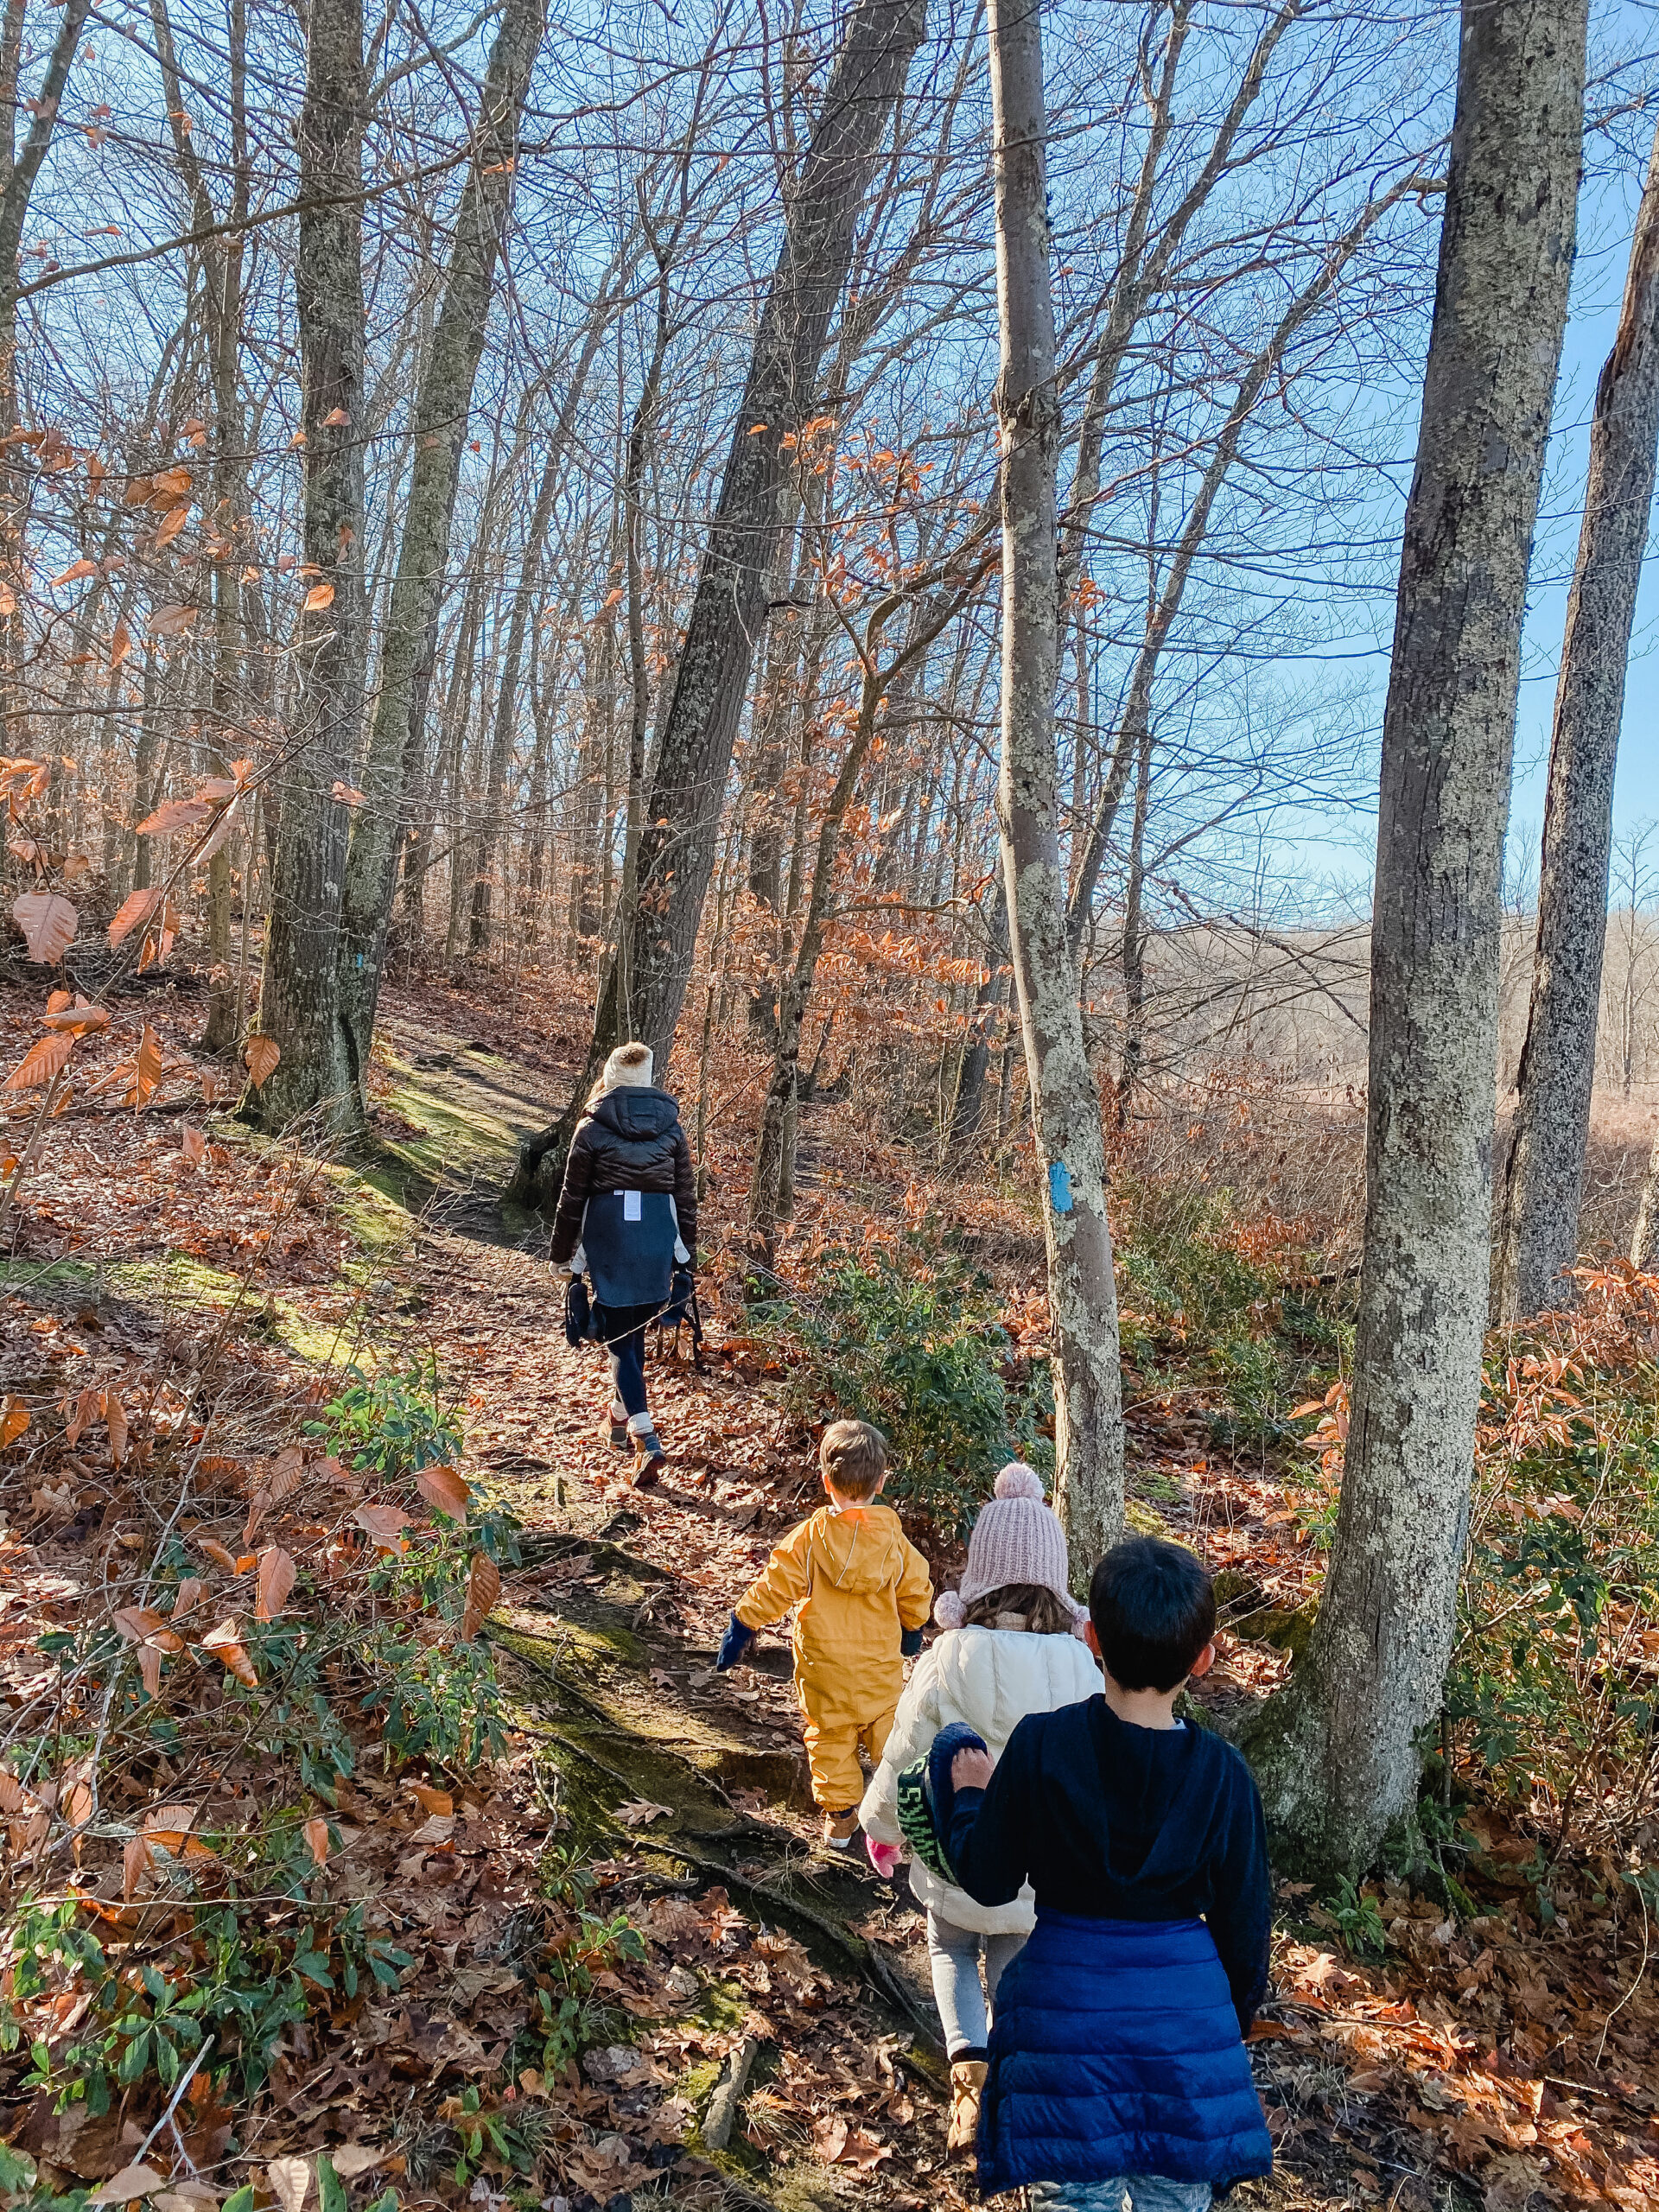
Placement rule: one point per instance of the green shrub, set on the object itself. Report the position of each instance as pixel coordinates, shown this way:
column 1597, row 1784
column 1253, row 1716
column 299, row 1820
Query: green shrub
column 914, row 1345
column 392, row 1424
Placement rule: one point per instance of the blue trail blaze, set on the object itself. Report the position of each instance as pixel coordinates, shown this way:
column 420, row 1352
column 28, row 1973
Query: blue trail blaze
column 1060, row 1187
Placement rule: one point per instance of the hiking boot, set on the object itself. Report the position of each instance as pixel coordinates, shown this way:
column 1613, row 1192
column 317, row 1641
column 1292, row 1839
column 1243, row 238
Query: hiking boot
column 840, row 1828
column 967, row 2080
column 648, row 1458
column 621, row 1439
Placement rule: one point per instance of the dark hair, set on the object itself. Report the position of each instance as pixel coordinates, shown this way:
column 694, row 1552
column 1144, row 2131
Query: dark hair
column 1042, row 1612
column 854, row 1456
column 1153, row 1608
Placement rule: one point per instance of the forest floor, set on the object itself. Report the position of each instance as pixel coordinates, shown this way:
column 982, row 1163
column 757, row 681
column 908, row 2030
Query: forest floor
column 647, row 1818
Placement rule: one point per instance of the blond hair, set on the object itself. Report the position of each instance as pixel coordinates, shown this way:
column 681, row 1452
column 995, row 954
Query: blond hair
column 853, row 1457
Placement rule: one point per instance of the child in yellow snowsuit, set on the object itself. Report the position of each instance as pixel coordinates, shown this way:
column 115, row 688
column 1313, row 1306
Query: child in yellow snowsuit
column 861, row 1593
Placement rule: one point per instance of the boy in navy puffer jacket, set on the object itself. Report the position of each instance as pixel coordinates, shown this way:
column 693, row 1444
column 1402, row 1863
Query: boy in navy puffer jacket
column 1117, row 2060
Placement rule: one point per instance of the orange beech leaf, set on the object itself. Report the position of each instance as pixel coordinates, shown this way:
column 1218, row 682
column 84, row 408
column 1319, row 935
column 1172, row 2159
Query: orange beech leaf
column 192, row 1144
column 431, row 1800
column 337, row 421
column 74, row 572
column 276, row 1582
column 384, row 1524
column 317, row 597
column 483, row 1588
column 191, row 1591
column 57, row 1001
column 147, row 1069
column 245, row 1563
column 174, row 814
column 217, row 1553
column 172, row 523
column 445, row 1492
column 218, row 788
column 144, row 1625
column 115, row 1420
column 48, row 923
column 262, row 1054
column 47, row 1057
column 14, row 1420
column 135, row 1865
column 135, row 907
column 149, row 1670
column 78, row 1020
column 173, row 481
column 85, row 1413
column 315, row 1832
column 120, row 645
column 170, row 621
column 224, row 1642
column 139, row 490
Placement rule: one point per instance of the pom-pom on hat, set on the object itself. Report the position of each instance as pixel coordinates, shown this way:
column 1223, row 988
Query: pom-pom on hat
column 1016, row 1539
column 628, row 1065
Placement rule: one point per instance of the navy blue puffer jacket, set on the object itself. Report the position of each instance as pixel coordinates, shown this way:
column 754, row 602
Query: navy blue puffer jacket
column 1115, row 2051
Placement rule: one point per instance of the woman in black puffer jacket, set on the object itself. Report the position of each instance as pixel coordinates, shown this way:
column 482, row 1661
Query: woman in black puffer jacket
column 627, row 1214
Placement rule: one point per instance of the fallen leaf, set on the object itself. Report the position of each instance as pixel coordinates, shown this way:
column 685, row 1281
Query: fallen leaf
column 640, row 1813
column 431, row 1800
column 290, row 2182
column 315, row 1832
column 14, row 1420
column 349, row 2160
column 192, row 1144
column 135, row 1865
column 130, row 2182
column 217, row 1553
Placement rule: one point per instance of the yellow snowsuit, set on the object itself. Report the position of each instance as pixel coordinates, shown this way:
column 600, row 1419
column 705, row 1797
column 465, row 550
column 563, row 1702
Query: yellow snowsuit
column 856, row 1583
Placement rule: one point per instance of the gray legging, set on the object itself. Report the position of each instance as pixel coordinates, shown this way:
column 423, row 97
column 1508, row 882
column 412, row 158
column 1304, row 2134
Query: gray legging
column 953, row 1953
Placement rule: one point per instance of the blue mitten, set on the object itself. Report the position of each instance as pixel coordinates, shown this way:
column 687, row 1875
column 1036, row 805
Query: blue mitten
column 735, row 1642
column 910, row 1643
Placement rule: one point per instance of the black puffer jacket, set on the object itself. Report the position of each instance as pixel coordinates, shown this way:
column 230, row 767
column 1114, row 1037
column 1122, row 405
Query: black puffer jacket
column 631, row 1140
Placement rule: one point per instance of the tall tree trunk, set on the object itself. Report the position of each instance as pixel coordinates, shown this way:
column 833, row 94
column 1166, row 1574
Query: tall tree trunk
column 440, row 414
column 299, row 1003
column 1071, row 1152
column 1645, row 1238
column 970, row 1101
column 676, row 845
column 21, row 167
column 1134, row 937
column 1545, row 1179
column 1337, row 1753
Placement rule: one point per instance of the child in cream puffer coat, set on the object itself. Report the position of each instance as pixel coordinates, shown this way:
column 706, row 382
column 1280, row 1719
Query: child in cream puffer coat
column 1013, row 1646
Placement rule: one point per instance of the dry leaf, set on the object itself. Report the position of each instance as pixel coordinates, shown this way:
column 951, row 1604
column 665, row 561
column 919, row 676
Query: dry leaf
column 115, row 1420
column 384, row 1524
column 48, row 923
column 120, row 645
column 262, row 1054
column 445, row 1492
column 290, row 2182
column 130, row 2182
column 14, row 1420
column 192, row 1144
column 276, row 1582
column 315, row 1832
column 641, row 1812
column 171, row 523
column 170, row 621
column 85, row 1413
column 171, row 484
column 192, row 1590
column 174, row 814
column 431, row 1800
column 147, row 1069
column 483, row 1588
column 135, row 907
column 82, row 1020
column 45, row 1059
column 337, row 421
column 135, row 1865
column 217, row 1553
column 353, row 2159
column 226, row 1643
column 75, row 571
column 319, row 596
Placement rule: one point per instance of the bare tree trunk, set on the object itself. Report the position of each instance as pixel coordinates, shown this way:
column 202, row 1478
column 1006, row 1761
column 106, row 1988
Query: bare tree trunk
column 970, row 1103
column 1083, row 1303
column 299, row 1004
column 1339, row 1753
column 440, row 414
column 1545, row 1179
column 1644, row 1239
column 1134, row 937
column 676, row 845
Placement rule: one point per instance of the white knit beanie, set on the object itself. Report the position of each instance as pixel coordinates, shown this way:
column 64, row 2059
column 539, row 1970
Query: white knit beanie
column 1016, row 1539
column 628, row 1065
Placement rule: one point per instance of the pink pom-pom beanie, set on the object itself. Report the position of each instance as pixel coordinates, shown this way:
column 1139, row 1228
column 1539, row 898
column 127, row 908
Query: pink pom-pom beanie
column 1016, row 1539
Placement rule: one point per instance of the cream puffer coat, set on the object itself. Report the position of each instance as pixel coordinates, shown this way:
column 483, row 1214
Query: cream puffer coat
column 990, row 1678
